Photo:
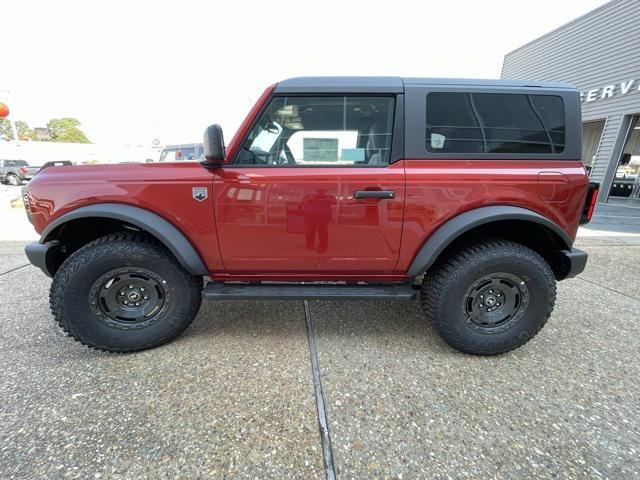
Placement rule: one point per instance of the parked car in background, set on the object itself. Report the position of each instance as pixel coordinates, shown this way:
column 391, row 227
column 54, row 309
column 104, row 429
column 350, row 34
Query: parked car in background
column 14, row 172
column 185, row 152
column 622, row 187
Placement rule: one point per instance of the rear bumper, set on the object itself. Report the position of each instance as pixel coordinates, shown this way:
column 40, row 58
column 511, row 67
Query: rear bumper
column 43, row 255
column 574, row 261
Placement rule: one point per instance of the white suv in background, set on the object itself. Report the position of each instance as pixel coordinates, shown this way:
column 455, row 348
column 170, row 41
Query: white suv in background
column 180, row 153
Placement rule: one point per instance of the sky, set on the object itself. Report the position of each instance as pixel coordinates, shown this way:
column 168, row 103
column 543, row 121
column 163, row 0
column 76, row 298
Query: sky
column 132, row 71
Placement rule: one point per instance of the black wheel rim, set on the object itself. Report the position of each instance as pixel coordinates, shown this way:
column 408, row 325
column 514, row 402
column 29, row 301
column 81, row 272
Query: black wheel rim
column 129, row 298
column 495, row 302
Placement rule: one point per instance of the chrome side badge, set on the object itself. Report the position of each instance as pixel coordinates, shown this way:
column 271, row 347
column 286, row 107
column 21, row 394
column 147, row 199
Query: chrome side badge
column 200, row 193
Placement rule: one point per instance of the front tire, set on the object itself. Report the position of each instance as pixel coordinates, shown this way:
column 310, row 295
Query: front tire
column 124, row 293
column 489, row 298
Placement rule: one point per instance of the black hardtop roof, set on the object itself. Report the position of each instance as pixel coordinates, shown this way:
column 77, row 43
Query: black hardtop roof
column 396, row 84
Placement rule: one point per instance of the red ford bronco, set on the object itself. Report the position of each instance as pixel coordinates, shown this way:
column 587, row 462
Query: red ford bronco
column 468, row 191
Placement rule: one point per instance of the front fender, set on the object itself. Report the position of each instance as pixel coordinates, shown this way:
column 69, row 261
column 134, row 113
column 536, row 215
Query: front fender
column 148, row 221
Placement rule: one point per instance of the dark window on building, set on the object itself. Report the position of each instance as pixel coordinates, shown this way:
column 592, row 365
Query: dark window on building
column 494, row 123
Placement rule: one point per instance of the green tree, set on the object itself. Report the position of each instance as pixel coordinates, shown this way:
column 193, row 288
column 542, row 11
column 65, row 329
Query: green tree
column 24, row 131
column 5, row 130
column 66, row 130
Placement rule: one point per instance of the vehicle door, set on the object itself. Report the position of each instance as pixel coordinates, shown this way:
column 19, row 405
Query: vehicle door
column 314, row 189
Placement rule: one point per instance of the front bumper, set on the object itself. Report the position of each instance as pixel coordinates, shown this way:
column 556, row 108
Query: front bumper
column 574, row 261
column 43, row 255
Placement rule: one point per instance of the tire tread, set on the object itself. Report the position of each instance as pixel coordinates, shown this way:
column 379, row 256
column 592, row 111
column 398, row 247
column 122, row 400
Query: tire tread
column 124, row 242
column 449, row 270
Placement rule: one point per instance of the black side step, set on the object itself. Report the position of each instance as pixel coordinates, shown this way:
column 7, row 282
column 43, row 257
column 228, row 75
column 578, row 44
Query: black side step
column 244, row 291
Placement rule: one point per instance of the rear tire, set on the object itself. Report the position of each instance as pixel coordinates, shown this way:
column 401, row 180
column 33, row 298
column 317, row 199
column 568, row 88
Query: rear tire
column 122, row 293
column 489, row 298
column 14, row 180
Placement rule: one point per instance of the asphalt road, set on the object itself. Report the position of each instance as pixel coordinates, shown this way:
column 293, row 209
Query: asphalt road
column 234, row 396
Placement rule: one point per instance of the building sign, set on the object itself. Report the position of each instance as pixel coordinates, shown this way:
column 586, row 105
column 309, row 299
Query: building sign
column 608, row 91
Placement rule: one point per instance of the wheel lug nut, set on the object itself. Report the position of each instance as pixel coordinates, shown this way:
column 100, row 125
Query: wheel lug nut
column 126, row 303
column 142, row 289
column 146, row 298
column 130, row 286
column 122, row 294
column 137, row 304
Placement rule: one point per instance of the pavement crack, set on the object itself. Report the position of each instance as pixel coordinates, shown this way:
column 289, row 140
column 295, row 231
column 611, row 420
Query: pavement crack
column 325, row 438
column 610, row 289
column 14, row 269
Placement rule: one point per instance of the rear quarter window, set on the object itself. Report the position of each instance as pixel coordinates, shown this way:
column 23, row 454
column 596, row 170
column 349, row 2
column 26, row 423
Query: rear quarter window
column 486, row 123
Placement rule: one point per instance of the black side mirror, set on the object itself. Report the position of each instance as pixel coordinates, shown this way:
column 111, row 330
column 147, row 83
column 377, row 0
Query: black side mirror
column 214, row 155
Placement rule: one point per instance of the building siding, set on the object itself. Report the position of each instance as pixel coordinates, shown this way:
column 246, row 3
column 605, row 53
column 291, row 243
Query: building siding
column 598, row 49
column 610, row 134
column 591, row 134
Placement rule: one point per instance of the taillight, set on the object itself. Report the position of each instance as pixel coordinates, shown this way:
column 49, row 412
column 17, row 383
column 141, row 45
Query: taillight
column 590, row 203
column 24, row 170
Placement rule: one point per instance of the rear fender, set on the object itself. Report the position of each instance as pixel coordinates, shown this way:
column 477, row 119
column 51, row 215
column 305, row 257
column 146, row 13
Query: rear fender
column 454, row 228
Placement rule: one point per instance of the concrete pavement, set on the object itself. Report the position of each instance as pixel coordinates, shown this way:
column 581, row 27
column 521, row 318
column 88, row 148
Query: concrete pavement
column 563, row 406
column 234, row 396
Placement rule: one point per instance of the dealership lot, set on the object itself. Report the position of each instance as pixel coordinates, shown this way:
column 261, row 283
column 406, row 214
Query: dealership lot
column 234, row 396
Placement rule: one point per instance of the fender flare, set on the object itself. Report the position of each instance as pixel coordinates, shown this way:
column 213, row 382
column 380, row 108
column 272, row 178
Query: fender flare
column 165, row 232
column 464, row 222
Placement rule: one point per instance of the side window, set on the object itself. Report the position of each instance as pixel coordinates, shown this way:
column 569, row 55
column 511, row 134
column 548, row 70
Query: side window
column 452, row 125
column 494, row 123
column 186, row 154
column 317, row 131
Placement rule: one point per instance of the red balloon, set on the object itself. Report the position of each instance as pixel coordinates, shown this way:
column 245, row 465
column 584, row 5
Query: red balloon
column 4, row 110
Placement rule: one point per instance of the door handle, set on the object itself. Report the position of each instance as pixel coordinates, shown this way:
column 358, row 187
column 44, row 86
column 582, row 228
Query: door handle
column 374, row 194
